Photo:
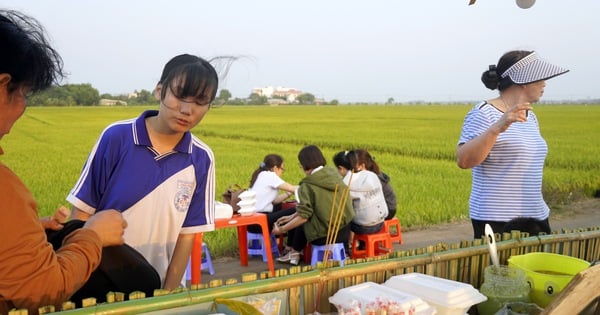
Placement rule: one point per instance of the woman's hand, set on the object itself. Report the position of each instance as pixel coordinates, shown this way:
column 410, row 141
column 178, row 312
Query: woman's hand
column 517, row 113
column 109, row 225
column 474, row 152
column 285, row 219
column 55, row 222
column 277, row 230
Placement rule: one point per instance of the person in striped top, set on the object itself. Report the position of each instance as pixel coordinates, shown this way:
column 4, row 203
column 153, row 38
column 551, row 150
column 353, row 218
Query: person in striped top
column 501, row 143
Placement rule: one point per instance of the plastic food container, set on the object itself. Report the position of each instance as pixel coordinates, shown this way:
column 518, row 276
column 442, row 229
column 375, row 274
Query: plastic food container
column 247, row 211
column 247, row 195
column 247, row 203
column 547, row 273
column 366, row 297
column 447, row 296
column 223, row 210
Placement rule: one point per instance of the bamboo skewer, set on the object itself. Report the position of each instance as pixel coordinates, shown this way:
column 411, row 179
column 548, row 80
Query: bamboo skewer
column 333, row 204
column 335, row 220
column 338, row 214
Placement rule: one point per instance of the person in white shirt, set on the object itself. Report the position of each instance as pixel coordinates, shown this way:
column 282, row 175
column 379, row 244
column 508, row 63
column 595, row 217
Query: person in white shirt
column 271, row 190
column 366, row 193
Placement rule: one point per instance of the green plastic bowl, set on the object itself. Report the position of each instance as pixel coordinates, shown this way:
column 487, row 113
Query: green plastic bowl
column 547, row 273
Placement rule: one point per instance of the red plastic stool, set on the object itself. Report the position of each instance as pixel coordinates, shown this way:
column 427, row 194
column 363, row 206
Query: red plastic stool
column 375, row 244
column 392, row 227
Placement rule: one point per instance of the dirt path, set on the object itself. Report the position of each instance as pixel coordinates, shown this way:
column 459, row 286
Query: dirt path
column 581, row 214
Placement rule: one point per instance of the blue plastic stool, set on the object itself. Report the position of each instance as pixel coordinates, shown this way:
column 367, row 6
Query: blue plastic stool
column 336, row 251
column 206, row 263
column 256, row 248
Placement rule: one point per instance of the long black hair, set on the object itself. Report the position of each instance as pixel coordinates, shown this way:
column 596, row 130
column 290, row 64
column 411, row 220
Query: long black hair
column 270, row 161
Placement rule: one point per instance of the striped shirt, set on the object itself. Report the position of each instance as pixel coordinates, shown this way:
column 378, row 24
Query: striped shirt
column 508, row 183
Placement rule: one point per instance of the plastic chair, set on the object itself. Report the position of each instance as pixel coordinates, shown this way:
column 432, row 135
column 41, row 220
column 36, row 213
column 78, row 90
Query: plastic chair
column 307, row 253
column 255, row 245
column 392, row 227
column 206, row 263
column 375, row 244
column 336, row 251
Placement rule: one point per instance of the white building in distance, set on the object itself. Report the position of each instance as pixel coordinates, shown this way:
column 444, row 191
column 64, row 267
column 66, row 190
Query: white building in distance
column 289, row 94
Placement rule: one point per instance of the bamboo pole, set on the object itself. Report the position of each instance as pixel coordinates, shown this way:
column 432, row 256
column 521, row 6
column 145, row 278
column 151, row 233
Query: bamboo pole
column 308, row 279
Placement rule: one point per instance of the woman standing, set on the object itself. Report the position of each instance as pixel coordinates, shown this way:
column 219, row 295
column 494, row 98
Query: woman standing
column 501, row 142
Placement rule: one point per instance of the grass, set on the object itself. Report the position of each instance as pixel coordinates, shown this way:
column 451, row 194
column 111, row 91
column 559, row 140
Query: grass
column 415, row 145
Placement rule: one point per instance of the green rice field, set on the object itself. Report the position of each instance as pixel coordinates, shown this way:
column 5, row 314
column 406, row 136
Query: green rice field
column 414, row 145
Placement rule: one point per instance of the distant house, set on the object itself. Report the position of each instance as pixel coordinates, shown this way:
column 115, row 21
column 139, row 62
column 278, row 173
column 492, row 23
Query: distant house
column 288, row 94
column 109, row 102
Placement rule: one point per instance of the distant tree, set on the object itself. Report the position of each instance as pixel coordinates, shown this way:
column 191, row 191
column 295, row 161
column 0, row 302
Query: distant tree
column 334, row 102
column 53, row 96
column 144, row 97
column 237, row 101
column 390, row 100
column 223, row 97
column 83, row 94
column 306, row 98
column 255, row 99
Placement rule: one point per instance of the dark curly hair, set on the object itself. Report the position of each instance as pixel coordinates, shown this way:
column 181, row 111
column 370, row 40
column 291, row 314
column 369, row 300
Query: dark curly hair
column 26, row 54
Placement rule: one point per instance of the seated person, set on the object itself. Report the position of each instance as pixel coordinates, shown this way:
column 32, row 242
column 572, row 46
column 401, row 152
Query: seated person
column 366, row 192
column 320, row 192
column 266, row 181
column 365, row 158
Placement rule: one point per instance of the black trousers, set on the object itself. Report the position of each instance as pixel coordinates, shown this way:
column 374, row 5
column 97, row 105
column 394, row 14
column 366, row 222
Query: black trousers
column 122, row 269
column 532, row 226
column 297, row 239
column 272, row 217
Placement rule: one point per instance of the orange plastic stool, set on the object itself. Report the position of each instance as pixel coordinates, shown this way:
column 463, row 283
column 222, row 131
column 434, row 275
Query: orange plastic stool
column 375, row 244
column 395, row 232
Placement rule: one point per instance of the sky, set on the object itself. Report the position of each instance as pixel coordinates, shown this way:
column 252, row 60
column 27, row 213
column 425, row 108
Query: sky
column 347, row 50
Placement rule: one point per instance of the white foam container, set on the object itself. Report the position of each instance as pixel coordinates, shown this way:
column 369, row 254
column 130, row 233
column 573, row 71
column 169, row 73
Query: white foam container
column 247, row 195
column 447, row 296
column 223, row 210
column 368, row 292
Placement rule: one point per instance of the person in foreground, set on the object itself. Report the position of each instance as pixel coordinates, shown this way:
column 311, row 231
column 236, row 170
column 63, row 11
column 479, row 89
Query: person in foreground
column 266, row 181
column 156, row 172
column 320, row 192
column 32, row 273
column 501, row 142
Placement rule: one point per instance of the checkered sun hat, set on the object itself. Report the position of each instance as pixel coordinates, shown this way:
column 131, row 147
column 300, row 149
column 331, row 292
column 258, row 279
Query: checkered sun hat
column 532, row 69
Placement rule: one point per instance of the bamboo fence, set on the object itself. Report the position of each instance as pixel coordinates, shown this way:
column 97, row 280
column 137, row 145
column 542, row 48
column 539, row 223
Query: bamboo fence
column 463, row 262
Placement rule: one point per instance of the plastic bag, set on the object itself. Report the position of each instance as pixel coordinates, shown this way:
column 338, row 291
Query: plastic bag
column 519, row 308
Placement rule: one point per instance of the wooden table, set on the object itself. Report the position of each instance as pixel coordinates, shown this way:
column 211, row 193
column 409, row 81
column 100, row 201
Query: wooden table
column 241, row 222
